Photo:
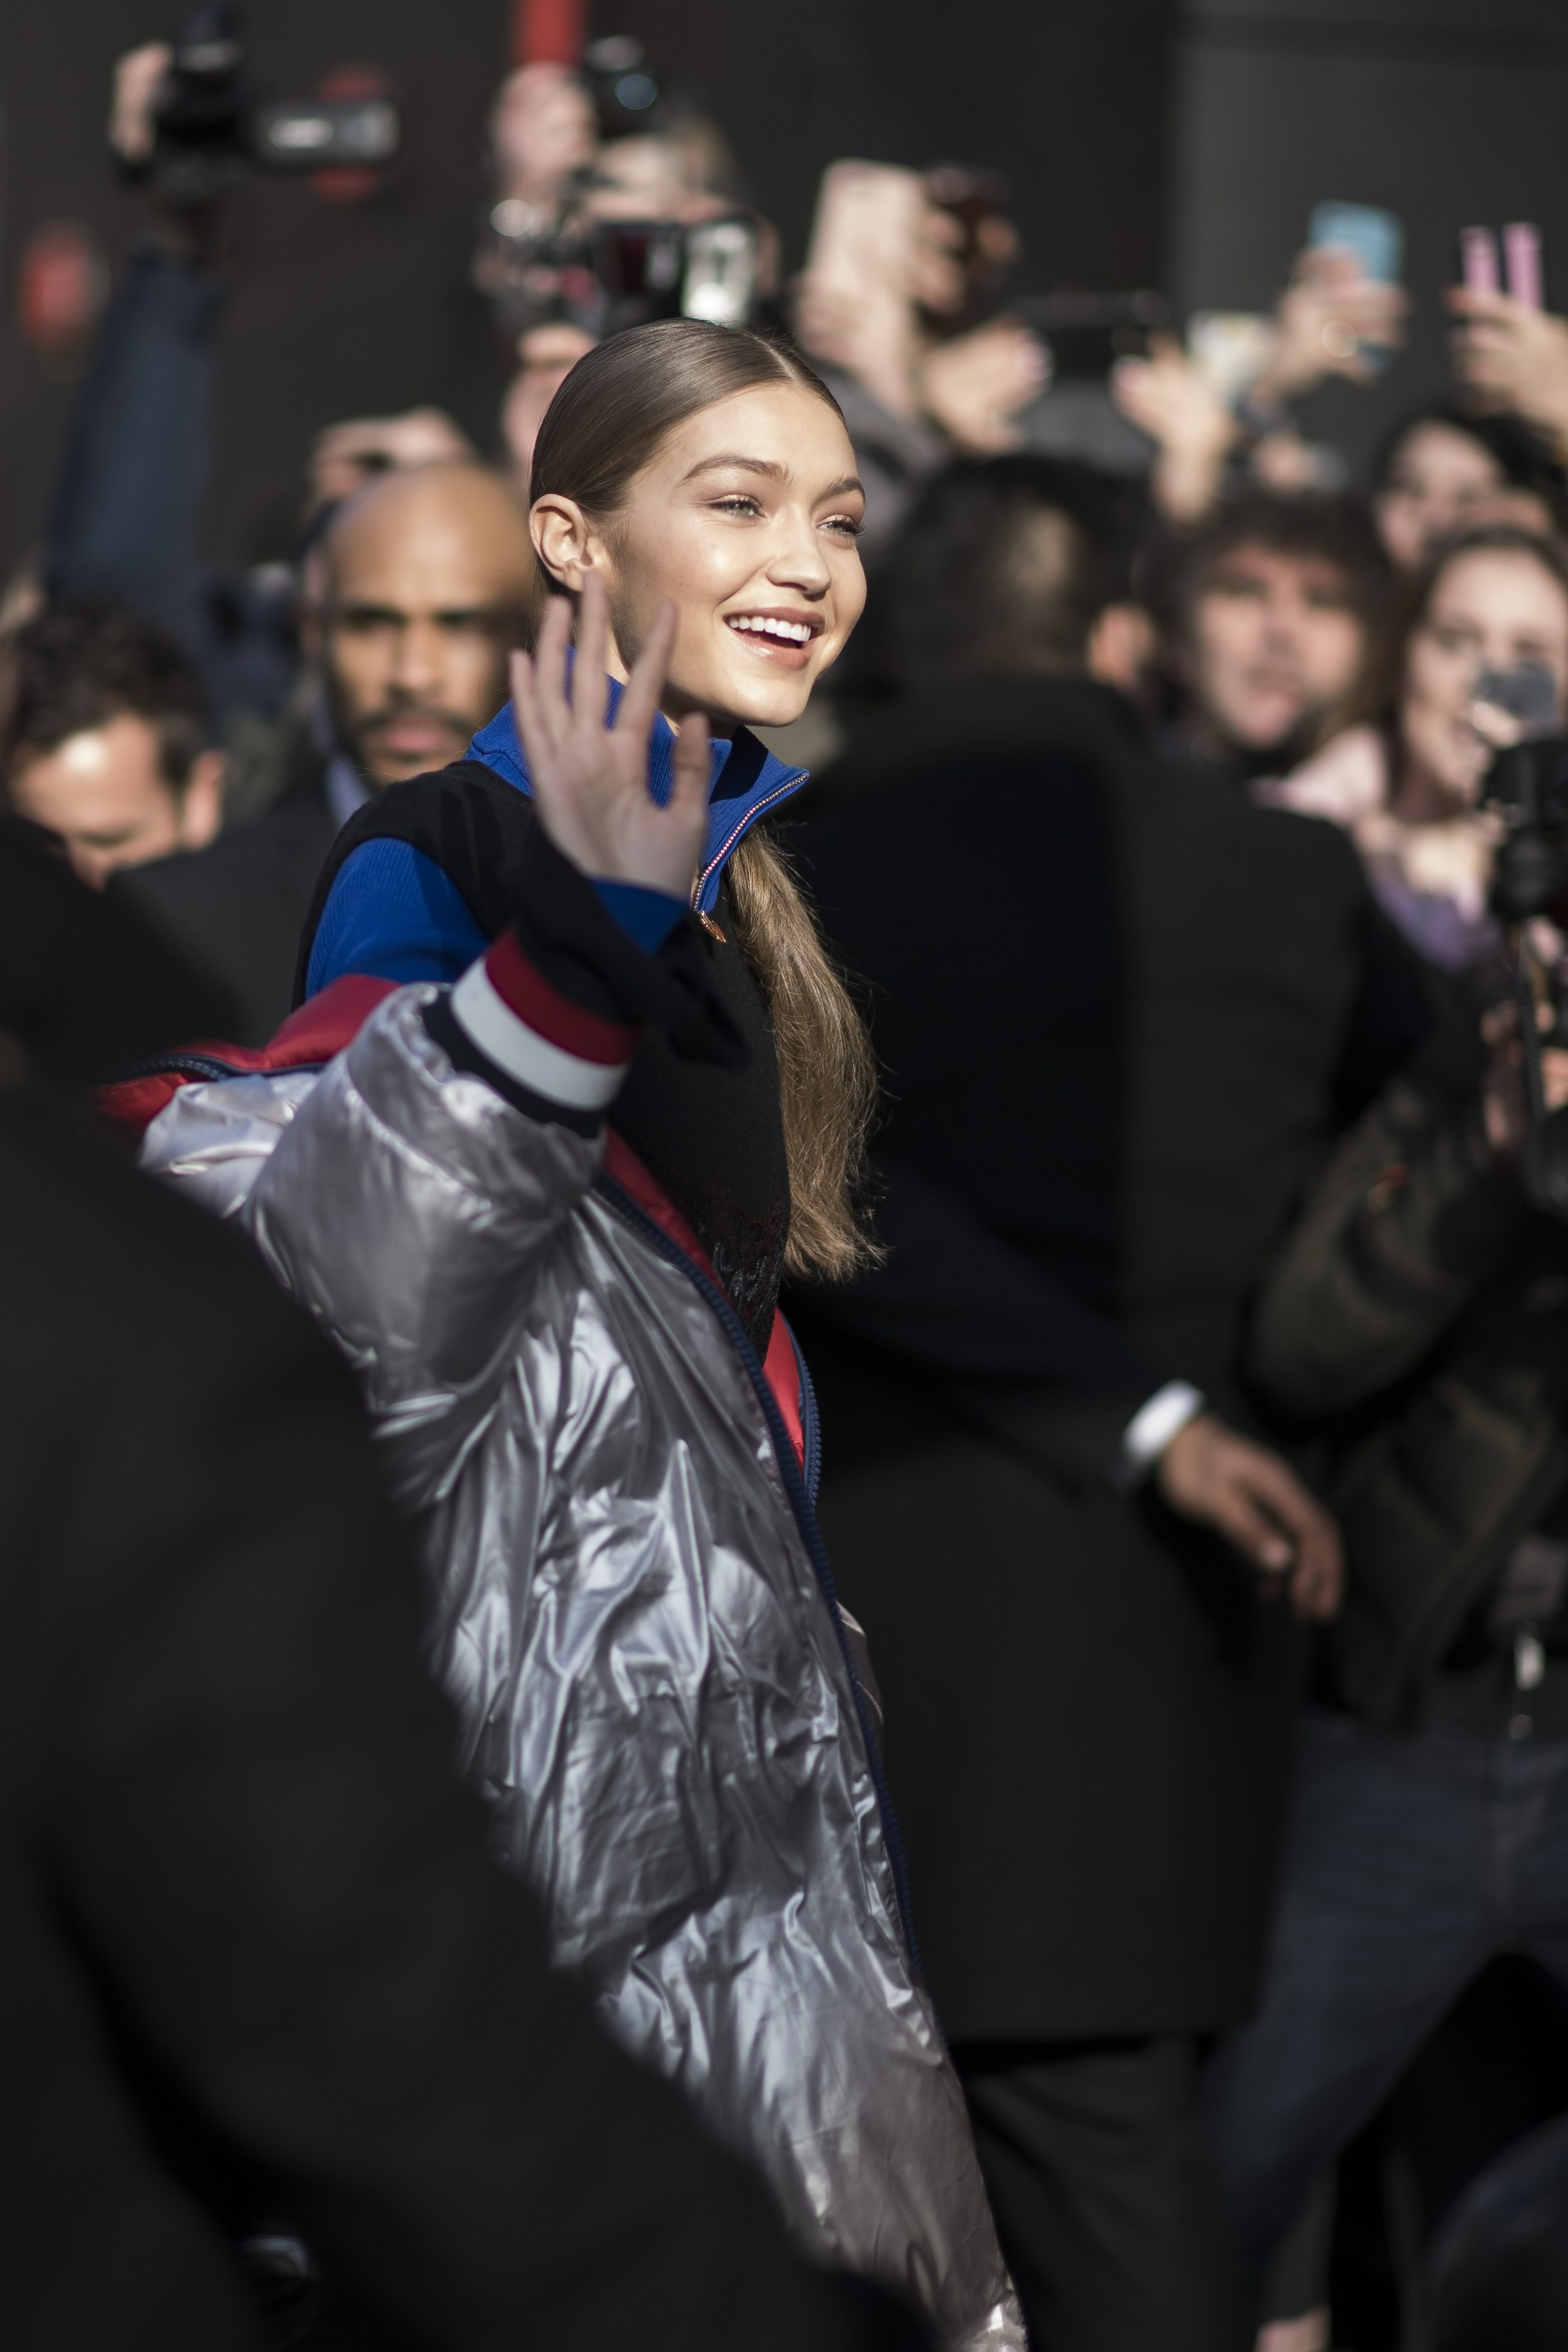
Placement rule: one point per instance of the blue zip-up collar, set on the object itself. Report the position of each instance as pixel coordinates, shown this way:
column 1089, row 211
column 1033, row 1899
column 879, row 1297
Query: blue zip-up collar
column 745, row 782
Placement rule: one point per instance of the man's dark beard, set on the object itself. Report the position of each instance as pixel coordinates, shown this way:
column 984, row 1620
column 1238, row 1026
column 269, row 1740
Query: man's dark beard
column 348, row 734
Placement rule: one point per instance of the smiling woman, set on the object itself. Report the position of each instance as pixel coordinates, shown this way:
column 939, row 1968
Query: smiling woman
column 742, row 510
column 709, row 470
column 544, row 1202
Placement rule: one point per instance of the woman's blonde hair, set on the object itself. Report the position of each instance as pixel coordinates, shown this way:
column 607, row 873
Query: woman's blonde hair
column 608, row 421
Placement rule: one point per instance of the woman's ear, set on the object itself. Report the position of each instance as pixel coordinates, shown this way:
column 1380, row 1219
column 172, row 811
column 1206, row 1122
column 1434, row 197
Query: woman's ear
column 564, row 540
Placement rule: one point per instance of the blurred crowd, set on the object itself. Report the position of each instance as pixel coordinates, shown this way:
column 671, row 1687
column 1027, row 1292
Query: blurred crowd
column 1189, row 820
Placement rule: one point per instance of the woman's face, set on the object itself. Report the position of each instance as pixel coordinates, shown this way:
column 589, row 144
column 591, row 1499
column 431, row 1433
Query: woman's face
column 1489, row 610
column 746, row 520
column 1438, row 480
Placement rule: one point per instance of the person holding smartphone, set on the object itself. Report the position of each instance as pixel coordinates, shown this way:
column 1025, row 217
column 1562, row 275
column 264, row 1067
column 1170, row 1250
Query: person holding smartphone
column 1509, row 353
column 1405, row 778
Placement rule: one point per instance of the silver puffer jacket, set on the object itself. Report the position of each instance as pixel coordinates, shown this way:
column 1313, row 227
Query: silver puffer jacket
column 634, row 1618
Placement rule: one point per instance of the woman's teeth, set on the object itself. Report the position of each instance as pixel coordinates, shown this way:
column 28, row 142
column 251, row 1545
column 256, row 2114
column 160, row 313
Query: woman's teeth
column 793, row 633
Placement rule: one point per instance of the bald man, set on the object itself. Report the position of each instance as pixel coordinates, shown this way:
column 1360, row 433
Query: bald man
column 427, row 578
column 424, row 582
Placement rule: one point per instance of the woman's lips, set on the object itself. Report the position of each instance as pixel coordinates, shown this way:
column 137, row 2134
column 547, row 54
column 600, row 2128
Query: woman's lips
column 785, row 640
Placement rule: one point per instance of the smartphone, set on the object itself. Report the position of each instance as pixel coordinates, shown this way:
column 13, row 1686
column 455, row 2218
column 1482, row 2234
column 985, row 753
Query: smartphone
column 1477, row 261
column 1528, row 693
column 1521, row 260
column 1375, row 237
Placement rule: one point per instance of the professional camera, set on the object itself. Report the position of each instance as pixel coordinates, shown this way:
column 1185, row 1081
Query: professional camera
column 603, row 275
column 212, row 122
column 1527, row 789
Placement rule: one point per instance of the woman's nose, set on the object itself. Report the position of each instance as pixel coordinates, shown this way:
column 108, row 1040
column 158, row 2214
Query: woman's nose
column 800, row 561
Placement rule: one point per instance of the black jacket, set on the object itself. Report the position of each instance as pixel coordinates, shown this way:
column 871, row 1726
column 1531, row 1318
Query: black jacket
column 255, row 1959
column 1120, row 1017
column 236, row 909
column 1421, row 1306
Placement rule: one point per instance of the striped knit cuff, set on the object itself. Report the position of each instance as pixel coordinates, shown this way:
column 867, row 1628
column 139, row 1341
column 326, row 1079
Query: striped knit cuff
column 537, row 1037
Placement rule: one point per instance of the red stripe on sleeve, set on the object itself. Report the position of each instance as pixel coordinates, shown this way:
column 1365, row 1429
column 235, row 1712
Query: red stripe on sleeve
column 524, row 989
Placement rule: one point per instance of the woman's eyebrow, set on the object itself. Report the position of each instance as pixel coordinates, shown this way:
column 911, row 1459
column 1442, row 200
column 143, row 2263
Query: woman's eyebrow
column 742, row 464
column 772, row 470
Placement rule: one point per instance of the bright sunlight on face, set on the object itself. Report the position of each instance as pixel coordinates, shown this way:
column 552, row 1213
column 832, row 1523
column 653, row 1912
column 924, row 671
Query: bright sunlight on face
column 746, row 520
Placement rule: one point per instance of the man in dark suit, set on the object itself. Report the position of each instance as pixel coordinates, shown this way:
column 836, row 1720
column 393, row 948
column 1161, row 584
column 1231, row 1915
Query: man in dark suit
column 1116, row 1033
column 421, row 585
column 258, row 1966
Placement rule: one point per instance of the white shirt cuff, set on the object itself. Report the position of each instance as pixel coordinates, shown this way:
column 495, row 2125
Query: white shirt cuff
column 1155, row 1424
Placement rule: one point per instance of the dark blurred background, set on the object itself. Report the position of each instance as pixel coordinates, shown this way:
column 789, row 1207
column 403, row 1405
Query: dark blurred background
column 1146, row 143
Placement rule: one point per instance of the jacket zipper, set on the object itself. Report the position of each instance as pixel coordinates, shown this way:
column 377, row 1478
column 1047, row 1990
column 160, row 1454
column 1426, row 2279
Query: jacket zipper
column 794, row 1487
column 207, row 1066
column 790, row 785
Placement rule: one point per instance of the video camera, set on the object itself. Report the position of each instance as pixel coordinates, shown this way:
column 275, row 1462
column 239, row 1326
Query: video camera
column 213, row 123
column 1527, row 790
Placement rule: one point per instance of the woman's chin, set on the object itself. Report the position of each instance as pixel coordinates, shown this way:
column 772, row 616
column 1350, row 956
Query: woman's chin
column 768, row 701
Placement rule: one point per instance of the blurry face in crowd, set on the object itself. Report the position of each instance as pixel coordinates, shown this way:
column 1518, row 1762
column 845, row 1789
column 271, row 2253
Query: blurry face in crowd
column 105, row 793
column 430, row 579
column 746, row 520
column 1439, row 480
column 1489, row 610
column 1274, row 642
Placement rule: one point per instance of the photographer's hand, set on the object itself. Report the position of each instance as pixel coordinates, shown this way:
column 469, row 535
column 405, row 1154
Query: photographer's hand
column 591, row 781
column 137, row 76
column 190, row 230
column 1511, row 356
column 1256, row 1502
column 1325, row 322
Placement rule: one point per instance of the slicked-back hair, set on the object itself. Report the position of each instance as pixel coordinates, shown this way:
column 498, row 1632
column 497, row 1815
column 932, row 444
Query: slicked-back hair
column 85, row 662
column 622, row 402
column 609, row 420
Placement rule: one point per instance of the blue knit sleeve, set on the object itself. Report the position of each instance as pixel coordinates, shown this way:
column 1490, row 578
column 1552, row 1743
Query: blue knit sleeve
column 392, row 913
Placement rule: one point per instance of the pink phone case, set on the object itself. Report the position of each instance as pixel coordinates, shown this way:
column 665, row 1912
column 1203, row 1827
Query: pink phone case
column 1478, row 250
column 1521, row 261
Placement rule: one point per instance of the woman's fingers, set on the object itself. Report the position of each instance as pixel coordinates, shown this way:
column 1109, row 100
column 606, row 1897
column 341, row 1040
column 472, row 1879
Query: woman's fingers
column 688, row 797
column 590, row 674
column 641, row 697
column 536, row 738
column 549, row 666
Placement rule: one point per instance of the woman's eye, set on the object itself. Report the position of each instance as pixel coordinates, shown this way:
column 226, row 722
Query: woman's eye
column 736, row 506
column 848, row 526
